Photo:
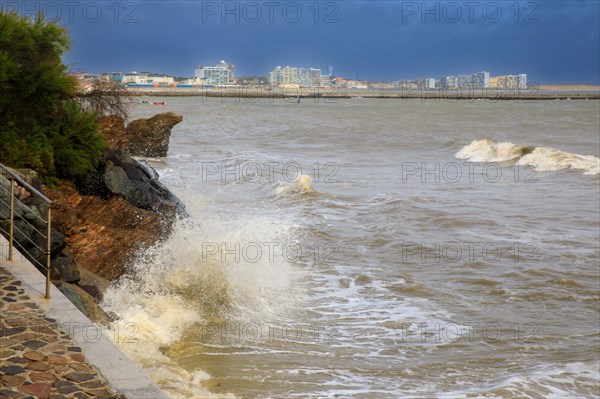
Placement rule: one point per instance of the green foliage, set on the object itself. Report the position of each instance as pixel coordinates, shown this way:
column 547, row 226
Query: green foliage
column 77, row 144
column 41, row 125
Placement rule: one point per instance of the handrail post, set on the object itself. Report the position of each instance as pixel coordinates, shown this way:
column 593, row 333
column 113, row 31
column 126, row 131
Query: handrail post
column 12, row 220
column 48, row 252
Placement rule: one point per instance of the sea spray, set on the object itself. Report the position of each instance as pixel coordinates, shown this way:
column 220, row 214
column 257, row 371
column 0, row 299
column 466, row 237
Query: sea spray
column 201, row 274
column 302, row 185
column 542, row 158
column 548, row 159
column 488, row 151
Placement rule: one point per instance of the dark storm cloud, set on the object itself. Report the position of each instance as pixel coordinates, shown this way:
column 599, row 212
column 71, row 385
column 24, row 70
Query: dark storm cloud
column 552, row 41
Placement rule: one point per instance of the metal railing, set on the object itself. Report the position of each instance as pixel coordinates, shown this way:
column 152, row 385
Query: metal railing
column 10, row 182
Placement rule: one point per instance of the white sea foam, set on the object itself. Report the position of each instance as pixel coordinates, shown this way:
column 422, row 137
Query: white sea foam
column 542, row 158
column 303, row 184
column 192, row 278
column 548, row 159
column 488, row 151
column 567, row 381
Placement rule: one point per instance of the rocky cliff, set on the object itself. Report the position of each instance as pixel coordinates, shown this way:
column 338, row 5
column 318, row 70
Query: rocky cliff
column 102, row 219
column 141, row 137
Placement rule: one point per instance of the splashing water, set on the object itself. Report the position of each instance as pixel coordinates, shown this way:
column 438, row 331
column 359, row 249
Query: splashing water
column 194, row 278
column 302, row 185
column 542, row 158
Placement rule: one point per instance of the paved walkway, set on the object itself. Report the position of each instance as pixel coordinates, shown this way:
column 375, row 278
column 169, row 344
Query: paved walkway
column 37, row 358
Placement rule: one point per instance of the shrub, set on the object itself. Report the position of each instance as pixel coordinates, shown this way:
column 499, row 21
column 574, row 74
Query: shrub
column 42, row 126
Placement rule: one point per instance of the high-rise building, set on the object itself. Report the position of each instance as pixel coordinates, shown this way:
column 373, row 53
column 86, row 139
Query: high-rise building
column 425, row 83
column 449, row 82
column 481, row 80
column 283, row 76
column 464, row 81
column 522, row 81
column 509, row 82
column 304, row 77
column 220, row 74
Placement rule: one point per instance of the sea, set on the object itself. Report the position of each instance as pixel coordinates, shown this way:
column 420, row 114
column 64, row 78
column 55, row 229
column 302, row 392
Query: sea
column 372, row 248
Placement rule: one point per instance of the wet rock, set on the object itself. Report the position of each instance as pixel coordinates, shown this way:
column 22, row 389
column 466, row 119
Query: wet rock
column 33, row 356
column 138, row 184
column 107, row 217
column 77, row 358
column 38, row 366
column 73, row 296
column 39, row 390
column 6, row 332
column 13, row 380
column 54, row 359
column 142, row 137
column 92, row 309
column 34, row 344
column 17, row 360
column 74, row 349
column 39, row 377
column 120, row 175
column 106, row 233
column 79, row 377
column 150, row 137
column 7, row 393
column 65, row 268
column 11, row 370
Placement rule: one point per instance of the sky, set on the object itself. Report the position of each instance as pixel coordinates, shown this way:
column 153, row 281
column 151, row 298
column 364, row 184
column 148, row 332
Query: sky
column 550, row 41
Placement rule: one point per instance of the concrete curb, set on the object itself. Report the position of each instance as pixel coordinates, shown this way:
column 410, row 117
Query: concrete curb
column 121, row 373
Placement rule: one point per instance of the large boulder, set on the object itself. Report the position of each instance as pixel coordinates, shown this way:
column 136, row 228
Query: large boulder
column 150, row 137
column 137, row 182
column 142, row 137
column 84, row 302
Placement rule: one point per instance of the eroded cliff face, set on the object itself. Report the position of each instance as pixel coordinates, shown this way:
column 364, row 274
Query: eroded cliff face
column 142, row 137
column 104, row 234
column 121, row 208
column 102, row 220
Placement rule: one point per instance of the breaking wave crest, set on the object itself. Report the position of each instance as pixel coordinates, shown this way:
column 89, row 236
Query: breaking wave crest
column 542, row 158
column 488, row 151
column 303, row 184
column 201, row 274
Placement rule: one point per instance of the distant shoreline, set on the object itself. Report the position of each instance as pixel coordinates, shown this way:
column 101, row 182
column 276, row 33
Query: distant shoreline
column 576, row 88
column 544, row 92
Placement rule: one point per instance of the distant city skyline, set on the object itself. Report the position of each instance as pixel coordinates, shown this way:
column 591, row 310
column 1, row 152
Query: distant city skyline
column 223, row 73
column 552, row 41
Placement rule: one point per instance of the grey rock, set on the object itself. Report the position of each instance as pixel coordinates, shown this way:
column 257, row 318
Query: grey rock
column 73, row 296
column 65, row 268
column 138, row 183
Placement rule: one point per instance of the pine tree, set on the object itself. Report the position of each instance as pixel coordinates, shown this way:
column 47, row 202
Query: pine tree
column 42, row 125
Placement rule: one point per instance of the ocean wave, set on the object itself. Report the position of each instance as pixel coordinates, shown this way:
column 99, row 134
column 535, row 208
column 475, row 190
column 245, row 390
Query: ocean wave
column 548, row 159
column 542, row 158
column 488, row 151
column 302, row 185
column 202, row 274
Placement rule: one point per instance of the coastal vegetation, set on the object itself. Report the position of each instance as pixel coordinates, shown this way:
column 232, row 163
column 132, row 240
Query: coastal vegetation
column 46, row 123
